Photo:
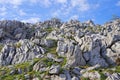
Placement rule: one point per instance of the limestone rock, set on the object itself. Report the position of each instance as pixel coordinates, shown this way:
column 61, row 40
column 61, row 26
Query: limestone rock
column 95, row 57
column 92, row 75
column 54, row 69
column 75, row 58
column 114, row 76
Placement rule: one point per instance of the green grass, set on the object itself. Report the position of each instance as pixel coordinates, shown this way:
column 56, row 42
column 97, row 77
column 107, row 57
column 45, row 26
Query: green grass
column 117, row 69
column 91, row 29
column 22, row 65
column 83, row 78
column 49, row 29
column 63, row 63
column 48, row 62
column 102, row 76
column 52, row 50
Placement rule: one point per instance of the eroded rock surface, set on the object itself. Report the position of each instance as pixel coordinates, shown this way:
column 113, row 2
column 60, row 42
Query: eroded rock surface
column 58, row 50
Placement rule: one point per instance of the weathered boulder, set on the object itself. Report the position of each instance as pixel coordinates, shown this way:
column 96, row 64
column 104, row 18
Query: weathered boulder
column 114, row 76
column 54, row 69
column 92, row 75
column 75, row 58
column 61, row 48
column 95, row 56
column 40, row 66
column 72, row 52
column 27, row 51
column 7, row 55
column 22, row 51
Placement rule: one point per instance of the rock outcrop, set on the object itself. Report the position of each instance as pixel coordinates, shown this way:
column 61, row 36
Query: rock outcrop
column 58, row 50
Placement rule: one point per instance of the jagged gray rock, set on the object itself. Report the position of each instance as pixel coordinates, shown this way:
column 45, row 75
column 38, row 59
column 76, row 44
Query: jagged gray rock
column 78, row 45
column 95, row 56
column 75, row 58
column 92, row 75
column 114, row 76
column 54, row 69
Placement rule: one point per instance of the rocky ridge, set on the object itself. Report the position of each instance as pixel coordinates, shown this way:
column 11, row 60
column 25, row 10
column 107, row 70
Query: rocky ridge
column 55, row 50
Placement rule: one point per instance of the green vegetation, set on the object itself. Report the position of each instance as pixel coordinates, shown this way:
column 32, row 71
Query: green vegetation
column 103, row 77
column 101, row 71
column 98, row 29
column 117, row 69
column 89, row 28
column 63, row 63
column 22, row 65
column 26, row 67
column 1, row 46
column 82, row 78
column 52, row 50
column 49, row 29
column 48, row 62
column 18, row 45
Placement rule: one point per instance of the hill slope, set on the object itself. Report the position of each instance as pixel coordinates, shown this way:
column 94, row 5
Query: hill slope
column 55, row 50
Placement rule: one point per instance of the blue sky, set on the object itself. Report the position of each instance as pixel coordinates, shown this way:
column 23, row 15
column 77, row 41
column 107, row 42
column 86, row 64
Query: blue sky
column 33, row 11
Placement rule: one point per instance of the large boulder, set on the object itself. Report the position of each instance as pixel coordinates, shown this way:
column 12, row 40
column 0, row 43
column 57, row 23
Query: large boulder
column 54, row 69
column 95, row 56
column 72, row 52
column 40, row 66
column 7, row 55
column 61, row 48
column 27, row 50
column 75, row 57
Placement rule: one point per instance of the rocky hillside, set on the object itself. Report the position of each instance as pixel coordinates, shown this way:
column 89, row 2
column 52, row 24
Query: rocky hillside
column 55, row 50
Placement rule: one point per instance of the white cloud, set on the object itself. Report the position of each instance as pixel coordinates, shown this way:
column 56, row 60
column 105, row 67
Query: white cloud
column 74, row 17
column 16, row 2
column 82, row 5
column 118, row 3
column 55, row 14
column 32, row 20
column 58, row 8
column 34, row 1
column 61, row 1
column 13, row 2
column 3, row 11
column 22, row 13
column 73, row 6
column 46, row 3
